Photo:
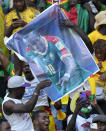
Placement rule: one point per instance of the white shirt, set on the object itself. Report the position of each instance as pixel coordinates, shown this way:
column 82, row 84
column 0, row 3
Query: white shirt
column 18, row 121
column 80, row 121
column 42, row 98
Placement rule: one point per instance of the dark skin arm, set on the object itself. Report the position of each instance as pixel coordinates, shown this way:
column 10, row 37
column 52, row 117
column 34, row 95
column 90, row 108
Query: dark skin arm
column 71, row 125
column 91, row 15
column 85, row 38
column 14, row 25
column 4, row 60
column 17, row 65
column 97, row 3
column 10, row 107
column 97, row 107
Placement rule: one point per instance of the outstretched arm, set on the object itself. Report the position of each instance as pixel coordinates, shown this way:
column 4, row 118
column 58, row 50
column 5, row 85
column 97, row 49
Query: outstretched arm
column 10, row 107
column 83, row 35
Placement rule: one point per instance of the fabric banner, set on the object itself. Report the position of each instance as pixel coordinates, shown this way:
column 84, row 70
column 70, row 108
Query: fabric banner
column 55, row 52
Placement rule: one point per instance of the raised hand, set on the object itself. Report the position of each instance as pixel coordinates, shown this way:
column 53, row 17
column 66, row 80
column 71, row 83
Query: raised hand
column 44, row 84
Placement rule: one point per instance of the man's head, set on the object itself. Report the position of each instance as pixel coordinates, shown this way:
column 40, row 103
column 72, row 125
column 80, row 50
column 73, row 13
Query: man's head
column 19, row 5
column 16, row 86
column 100, row 49
column 41, row 120
column 4, row 125
column 27, row 71
column 72, row 3
column 99, row 123
column 36, row 42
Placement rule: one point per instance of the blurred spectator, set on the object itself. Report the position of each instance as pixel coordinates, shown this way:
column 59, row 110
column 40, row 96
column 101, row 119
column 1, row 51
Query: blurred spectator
column 103, row 1
column 100, row 6
column 19, row 17
column 63, row 106
column 100, row 27
column 100, row 58
column 64, row 3
column 98, row 123
column 42, row 102
column 82, row 112
column 40, row 121
column 4, row 125
column 14, row 110
column 5, row 5
column 40, row 4
column 7, row 66
column 6, row 52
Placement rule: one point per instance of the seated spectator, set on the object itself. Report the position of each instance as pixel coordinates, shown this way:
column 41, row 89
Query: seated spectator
column 14, row 110
column 4, row 125
column 100, row 58
column 82, row 112
column 40, row 121
column 100, row 27
column 98, row 123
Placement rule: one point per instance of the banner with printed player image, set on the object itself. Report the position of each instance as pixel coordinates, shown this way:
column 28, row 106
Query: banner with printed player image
column 55, row 52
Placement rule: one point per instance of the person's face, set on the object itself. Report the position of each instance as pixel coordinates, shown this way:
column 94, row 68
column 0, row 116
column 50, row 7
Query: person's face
column 38, row 44
column 43, row 121
column 27, row 72
column 5, row 126
column 100, row 54
column 19, row 92
column 19, row 5
column 100, row 127
column 102, row 27
column 85, row 112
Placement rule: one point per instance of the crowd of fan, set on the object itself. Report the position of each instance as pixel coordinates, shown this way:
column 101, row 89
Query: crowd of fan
column 21, row 106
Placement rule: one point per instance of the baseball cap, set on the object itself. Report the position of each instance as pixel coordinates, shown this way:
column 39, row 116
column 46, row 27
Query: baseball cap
column 99, row 118
column 17, row 81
